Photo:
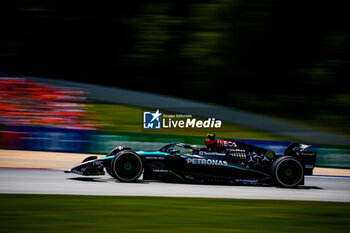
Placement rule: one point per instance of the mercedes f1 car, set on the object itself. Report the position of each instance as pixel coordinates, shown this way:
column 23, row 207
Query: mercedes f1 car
column 227, row 161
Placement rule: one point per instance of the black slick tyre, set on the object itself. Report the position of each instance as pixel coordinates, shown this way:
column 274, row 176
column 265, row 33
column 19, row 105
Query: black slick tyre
column 109, row 171
column 287, row 171
column 126, row 166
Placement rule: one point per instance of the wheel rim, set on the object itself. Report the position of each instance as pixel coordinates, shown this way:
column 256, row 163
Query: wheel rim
column 128, row 167
column 289, row 172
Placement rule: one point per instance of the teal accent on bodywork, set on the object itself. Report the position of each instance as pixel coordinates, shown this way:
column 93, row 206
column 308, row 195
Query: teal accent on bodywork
column 109, row 157
column 240, row 168
column 157, row 153
column 153, row 153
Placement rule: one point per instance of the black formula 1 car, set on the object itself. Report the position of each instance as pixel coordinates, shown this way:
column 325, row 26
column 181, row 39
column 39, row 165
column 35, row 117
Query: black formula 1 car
column 225, row 161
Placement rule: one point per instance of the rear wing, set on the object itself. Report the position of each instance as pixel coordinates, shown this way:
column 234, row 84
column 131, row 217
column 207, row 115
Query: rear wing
column 301, row 151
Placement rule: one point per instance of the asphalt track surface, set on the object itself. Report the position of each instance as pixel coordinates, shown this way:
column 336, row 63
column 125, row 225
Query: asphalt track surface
column 316, row 188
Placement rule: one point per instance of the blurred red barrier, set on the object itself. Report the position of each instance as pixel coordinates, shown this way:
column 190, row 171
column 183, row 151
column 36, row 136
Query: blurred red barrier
column 11, row 140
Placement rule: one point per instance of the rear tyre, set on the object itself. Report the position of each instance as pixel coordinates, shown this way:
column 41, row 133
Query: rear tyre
column 126, row 166
column 287, row 171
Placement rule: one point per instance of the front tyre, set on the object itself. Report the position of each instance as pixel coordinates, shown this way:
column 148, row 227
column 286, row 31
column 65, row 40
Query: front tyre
column 126, row 166
column 287, row 171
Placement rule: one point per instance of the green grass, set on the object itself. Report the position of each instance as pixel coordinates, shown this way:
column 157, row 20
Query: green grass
column 65, row 213
column 124, row 118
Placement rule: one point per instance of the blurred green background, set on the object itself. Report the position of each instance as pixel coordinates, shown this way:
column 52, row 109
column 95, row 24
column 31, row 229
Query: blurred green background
column 286, row 59
column 66, row 213
column 119, row 118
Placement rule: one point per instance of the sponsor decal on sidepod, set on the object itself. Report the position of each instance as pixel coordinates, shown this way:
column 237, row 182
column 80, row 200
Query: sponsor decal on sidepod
column 214, row 162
